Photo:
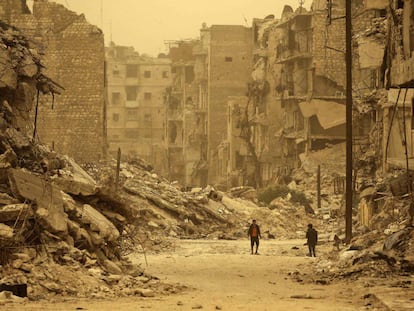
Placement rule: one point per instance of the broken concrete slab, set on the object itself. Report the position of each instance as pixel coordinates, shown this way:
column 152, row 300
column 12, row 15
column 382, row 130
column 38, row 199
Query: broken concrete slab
column 112, row 267
column 97, row 222
column 6, row 199
column 75, row 180
column 22, row 256
column 13, row 212
column 52, row 220
column 6, row 232
column 145, row 292
column 114, row 216
column 28, row 67
column 17, row 139
column 48, row 198
column 8, row 77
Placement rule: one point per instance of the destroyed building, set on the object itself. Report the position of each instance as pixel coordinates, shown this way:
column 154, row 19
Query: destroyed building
column 74, row 58
column 311, row 81
column 398, row 112
column 205, row 73
column 234, row 154
column 298, row 82
column 229, row 65
column 186, row 101
column 136, row 113
column 37, row 186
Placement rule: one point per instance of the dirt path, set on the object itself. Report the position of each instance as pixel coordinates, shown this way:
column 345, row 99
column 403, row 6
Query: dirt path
column 222, row 275
column 225, row 276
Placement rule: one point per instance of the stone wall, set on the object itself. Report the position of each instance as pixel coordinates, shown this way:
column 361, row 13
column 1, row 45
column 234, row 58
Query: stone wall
column 74, row 57
column 328, row 48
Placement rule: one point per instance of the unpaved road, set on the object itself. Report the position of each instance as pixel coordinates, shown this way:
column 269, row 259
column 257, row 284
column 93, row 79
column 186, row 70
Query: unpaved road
column 222, row 275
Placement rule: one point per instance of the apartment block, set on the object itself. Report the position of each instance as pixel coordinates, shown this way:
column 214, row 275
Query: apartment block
column 229, row 66
column 136, row 113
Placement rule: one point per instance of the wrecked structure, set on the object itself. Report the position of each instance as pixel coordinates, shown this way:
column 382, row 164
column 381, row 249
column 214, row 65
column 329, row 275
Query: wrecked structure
column 398, row 112
column 229, row 64
column 298, row 81
column 310, row 79
column 136, row 112
column 186, row 101
column 38, row 187
column 60, row 231
column 79, row 68
column 205, row 73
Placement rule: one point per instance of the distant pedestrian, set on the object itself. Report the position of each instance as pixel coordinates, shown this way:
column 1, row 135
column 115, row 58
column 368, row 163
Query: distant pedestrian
column 254, row 234
column 312, row 240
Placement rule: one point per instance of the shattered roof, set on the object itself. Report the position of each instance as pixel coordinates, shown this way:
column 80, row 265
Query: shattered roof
column 329, row 114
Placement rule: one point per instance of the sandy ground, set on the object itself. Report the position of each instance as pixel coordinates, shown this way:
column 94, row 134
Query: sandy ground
column 222, row 275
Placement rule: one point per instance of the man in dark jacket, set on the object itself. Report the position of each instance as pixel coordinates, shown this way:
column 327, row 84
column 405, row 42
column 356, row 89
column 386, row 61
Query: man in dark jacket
column 312, row 237
column 254, row 234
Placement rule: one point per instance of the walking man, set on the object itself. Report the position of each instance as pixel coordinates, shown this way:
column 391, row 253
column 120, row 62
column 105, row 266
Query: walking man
column 312, row 237
column 254, row 234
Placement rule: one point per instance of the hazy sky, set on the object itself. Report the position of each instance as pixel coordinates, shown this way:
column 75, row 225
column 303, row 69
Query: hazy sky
column 145, row 24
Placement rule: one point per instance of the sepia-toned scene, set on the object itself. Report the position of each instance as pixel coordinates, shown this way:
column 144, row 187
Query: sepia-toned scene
column 218, row 155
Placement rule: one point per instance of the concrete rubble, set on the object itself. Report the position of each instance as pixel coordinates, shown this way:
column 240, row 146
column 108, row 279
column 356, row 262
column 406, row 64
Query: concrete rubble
column 67, row 229
column 58, row 232
column 382, row 246
column 162, row 210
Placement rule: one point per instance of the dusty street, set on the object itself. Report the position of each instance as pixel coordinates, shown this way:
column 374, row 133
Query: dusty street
column 222, row 275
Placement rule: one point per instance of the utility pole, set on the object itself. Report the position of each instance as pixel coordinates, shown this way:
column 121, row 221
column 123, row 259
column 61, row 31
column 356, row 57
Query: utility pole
column 318, row 186
column 348, row 60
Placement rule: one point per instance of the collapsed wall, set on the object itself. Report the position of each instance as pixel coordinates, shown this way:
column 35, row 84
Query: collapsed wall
column 58, row 233
column 74, row 57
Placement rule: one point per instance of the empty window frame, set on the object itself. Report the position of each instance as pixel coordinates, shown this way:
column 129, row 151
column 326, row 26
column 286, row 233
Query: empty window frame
column 132, row 133
column 132, row 114
column 131, row 92
column 147, row 96
column 116, row 98
column 131, row 71
column 147, row 119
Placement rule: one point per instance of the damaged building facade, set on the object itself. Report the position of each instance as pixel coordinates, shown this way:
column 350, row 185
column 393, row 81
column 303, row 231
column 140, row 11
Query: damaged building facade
column 298, row 83
column 205, row 73
column 136, row 113
column 78, row 68
column 186, row 102
column 311, row 77
column 398, row 109
column 229, row 65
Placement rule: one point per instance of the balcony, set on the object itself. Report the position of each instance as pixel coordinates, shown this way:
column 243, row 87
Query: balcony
column 131, row 104
column 284, row 54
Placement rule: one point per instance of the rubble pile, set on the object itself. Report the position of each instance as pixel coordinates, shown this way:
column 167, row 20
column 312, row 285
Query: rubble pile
column 381, row 248
column 378, row 29
column 371, row 255
column 332, row 167
column 59, row 234
column 160, row 208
